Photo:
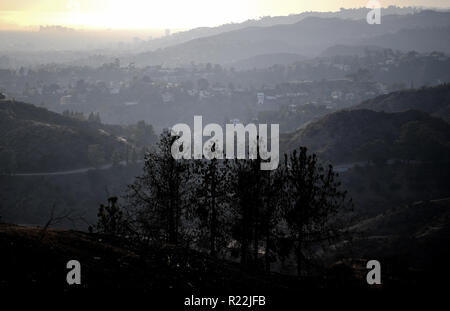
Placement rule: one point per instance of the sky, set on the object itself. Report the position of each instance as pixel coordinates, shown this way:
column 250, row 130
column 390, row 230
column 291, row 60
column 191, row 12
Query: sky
column 172, row 14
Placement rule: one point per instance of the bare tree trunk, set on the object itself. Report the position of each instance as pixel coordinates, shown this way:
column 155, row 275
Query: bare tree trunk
column 299, row 252
column 213, row 229
column 267, row 251
column 213, row 224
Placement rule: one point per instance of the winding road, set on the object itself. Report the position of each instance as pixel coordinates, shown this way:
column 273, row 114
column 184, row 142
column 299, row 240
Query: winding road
column 68, row 172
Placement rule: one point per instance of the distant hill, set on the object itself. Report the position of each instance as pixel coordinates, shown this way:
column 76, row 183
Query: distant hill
column 35, row 139
column 433, row 100
column 420, row 39
column 268, row 21
column 365, row 135
column 349, row 50
column 267, row 60
column 308, row 37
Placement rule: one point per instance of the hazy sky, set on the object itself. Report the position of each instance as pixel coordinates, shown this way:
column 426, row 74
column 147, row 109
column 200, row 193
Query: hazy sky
column 166, row 13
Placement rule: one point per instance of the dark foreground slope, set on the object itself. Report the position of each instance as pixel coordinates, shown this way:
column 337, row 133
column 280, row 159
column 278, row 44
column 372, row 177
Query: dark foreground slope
column 32, row 258
column 412, row 240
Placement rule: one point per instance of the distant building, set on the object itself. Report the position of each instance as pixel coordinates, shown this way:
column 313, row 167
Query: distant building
column 204, row 94
column 66, row 100
column 260, row 97
column 336, row 94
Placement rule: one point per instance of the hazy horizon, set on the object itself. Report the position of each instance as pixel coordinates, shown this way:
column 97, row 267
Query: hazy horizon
column 146, row 16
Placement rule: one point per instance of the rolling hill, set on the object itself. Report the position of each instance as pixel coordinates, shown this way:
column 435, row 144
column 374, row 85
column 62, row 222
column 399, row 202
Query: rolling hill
column 365, row 135
column 309, row 37
column 267, row 60
column 268, row 21
column 432, row 100
column 349, row 50
column 35, row 139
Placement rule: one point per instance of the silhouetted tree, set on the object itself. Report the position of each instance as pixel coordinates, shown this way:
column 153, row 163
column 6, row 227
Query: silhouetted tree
column 246, row 207
column 111, row 218
column 211, row 200
column 314, row 198
column 157, row 197
column 94, row 117
column 273, row 200
column 144, row 136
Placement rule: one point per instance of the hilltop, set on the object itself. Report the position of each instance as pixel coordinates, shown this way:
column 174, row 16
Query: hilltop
column 268, row 21
column 432, row 100
column 363, row 135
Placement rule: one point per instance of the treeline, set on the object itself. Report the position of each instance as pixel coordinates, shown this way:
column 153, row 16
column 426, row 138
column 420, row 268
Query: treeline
column 231, row 208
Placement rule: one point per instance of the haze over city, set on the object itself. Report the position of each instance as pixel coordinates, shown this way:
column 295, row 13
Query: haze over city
column 175, row 14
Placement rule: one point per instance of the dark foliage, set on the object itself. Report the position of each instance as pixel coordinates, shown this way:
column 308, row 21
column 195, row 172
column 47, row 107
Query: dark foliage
column 232, row 208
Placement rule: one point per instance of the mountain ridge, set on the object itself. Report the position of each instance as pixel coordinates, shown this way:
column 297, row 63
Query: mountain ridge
column 433, row 100
column 308, row 37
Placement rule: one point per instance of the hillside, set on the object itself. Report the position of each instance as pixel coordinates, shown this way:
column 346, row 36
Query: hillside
column 422, row 40
column 364, row 135
column 349, row 50
column 159, row 271
column 309, row 37
column 112, row 264
column 268, row 21
column 432, row 100
column 33, row 139
column 421, row 230
column 267, row 60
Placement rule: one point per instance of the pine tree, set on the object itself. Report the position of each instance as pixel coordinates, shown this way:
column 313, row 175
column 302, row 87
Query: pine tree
column 211, row 200
column 314, row 198
column 110, row 218
column 247, row 207
column 157, row 197
column 272, row 202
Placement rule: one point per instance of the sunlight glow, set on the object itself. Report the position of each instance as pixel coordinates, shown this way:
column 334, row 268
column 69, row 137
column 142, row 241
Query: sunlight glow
column 139, row 14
